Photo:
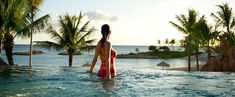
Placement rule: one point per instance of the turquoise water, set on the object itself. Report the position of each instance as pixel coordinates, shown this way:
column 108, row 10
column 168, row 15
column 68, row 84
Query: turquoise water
column 50, row 76
column 63, row 81
column 51, row 57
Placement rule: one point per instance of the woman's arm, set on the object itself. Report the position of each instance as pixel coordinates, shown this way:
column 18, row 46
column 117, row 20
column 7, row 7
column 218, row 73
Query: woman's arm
column 107, row 57
column 97, row 52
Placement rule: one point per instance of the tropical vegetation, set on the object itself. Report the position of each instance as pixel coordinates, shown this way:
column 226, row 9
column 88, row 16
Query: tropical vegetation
column 200, row 34
column 15, row 22
column 33, row 9
column 73, row 35
column 185, row 25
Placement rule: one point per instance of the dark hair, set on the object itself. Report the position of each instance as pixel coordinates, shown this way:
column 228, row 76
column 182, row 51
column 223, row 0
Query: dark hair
column 105, row 30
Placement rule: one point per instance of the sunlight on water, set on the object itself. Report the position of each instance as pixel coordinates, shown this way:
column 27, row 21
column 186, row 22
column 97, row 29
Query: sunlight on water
column 135, row 77
column 57, row 81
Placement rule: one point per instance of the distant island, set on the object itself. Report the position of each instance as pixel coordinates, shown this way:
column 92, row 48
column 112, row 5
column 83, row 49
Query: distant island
column 137, row 55
column 66, row 53
column 153, row 53
column 27, row 52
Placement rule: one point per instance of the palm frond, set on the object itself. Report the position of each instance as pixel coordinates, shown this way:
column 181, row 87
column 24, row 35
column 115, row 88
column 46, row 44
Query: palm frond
column 90, row 42
column 225, row 15
column 183, row 17
column 181, row 29
column 34, row 6
column 84, row 27
column 233, row 23
column 54, row 35
column 37, row 26
column 69, row 35
column 92, row 30
column 192, row 18
column 86, row 43
column 79, row 20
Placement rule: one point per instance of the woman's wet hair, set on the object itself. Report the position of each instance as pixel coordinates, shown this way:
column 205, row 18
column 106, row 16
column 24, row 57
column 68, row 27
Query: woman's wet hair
column 105, row 30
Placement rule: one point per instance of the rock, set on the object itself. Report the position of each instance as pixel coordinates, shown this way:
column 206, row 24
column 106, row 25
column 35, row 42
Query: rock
column 27, row 53
column 66, row 53
column 224, row 62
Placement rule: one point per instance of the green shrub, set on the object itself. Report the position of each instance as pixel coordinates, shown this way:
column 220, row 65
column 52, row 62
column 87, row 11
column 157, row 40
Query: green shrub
column 152, row 48
column 164, row 48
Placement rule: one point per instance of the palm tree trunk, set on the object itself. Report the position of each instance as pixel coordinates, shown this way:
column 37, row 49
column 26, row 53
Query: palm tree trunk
column 208, row 53
column 189, row 52
column 197, row 60
column 70, row 52
column 8, row 46
column 31, row 48
column 189, row 63
column 70, row 59
column 31, row 37
column 0, row 46
column 189, row 59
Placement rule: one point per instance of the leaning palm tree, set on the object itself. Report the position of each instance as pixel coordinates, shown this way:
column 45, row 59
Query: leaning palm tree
column 14, row 14
column 185, row 26
column 33, row 6
column 204, row 36
column 71, row 36
column 225, row 18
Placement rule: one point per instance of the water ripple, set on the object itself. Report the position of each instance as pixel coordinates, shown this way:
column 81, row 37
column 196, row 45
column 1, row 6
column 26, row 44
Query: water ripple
column 76, row 81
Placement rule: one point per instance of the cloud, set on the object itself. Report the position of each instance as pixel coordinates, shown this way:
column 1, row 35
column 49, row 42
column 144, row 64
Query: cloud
column 101, row 15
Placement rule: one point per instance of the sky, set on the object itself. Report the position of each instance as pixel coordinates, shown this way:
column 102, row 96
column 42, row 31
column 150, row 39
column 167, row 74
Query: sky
column 133, row 22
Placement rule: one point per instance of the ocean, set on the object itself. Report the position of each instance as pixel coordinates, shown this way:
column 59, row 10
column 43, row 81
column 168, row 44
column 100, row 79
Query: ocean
column 50, row 76
column 51, row 57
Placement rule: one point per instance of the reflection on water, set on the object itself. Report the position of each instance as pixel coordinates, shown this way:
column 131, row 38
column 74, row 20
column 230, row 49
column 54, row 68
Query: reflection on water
column 106, row 84
column 60, row 81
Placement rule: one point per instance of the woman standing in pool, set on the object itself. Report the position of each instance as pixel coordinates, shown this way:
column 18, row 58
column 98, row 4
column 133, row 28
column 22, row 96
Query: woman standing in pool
column 107, row 55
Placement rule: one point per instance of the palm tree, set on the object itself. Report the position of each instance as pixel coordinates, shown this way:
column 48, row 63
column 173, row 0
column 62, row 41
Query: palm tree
column 185, row 26
column 71, row 36
column 224, row 17
column 159, row 42
column 172, row 42
column 205, row 35
column 14, row 14
column 33, row 5
column 166, row 41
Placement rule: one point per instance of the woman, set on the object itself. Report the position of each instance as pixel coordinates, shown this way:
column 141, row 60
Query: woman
column 107, row 55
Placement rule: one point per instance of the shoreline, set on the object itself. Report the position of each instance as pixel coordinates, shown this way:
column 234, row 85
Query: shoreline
column 136, row 56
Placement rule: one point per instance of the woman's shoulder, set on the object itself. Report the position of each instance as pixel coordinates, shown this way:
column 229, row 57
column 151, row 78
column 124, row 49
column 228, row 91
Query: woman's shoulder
column 108, row 43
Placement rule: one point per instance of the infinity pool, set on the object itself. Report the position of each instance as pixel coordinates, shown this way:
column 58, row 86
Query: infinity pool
column 62, row 81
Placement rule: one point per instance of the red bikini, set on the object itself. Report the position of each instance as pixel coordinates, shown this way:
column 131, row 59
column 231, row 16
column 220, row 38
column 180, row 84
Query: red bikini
column 102, row 71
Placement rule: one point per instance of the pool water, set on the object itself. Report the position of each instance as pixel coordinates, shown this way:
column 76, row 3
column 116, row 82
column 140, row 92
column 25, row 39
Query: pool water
column 64, row 81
